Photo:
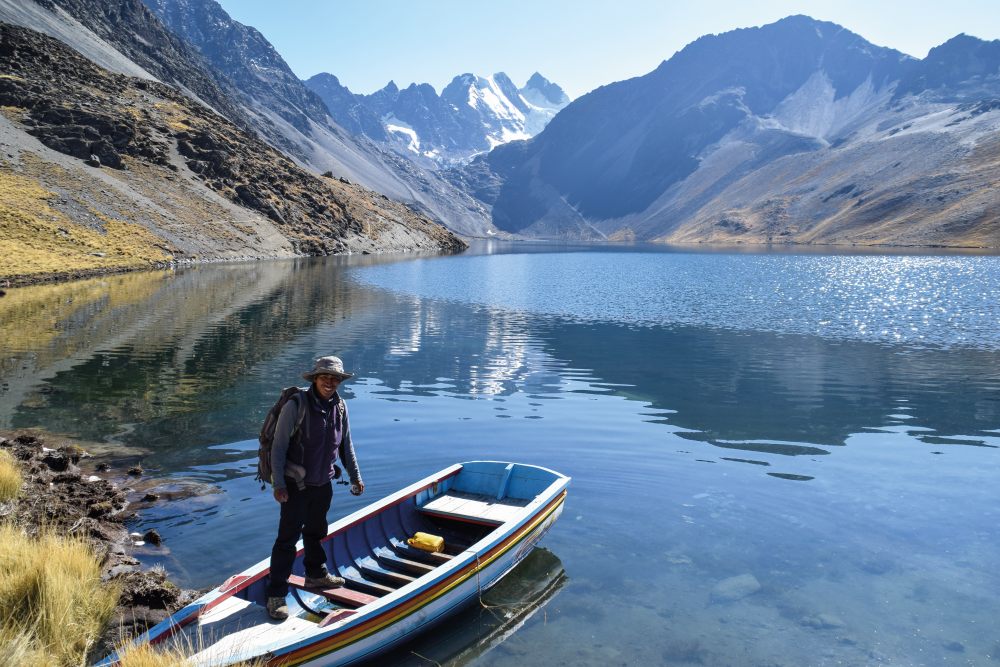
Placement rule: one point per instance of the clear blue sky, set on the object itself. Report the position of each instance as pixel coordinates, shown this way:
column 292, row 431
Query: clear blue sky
column 579, row 44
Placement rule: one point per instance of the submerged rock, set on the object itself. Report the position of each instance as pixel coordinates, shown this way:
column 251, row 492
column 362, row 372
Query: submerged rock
column 735, row 588
column 823, row 622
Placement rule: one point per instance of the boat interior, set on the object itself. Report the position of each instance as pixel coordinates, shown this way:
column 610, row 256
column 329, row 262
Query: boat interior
column 374, row 557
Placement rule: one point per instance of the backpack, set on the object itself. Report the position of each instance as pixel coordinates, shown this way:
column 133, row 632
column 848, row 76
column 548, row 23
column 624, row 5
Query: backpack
column 266, row 437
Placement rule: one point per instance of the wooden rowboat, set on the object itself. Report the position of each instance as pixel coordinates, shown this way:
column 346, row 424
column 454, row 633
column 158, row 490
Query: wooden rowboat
column 491, row 514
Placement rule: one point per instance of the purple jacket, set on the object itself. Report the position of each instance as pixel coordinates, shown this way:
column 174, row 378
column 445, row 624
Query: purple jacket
column 325, row 436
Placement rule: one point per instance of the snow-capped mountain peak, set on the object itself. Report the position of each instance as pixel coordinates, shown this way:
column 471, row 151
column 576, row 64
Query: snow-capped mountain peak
column 489, row 96
column 541, row 92
column 473, row 114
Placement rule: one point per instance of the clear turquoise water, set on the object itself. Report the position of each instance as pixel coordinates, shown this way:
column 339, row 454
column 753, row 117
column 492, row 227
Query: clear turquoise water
column 823, row 429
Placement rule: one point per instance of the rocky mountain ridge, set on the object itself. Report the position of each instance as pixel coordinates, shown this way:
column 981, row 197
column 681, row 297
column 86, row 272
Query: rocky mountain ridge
column 102, row 171
column 795, row 132
column 292, row 117
column 150, row 52
column 472, row 115
column 230, row 47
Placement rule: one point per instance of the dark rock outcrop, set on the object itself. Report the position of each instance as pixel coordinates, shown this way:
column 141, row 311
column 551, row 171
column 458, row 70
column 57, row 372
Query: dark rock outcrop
column 132, row 29
column 84, row 134
column 346, row 107
column 79, row 123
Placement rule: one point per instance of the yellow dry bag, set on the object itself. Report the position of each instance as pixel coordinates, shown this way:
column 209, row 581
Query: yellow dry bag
column 427, row 542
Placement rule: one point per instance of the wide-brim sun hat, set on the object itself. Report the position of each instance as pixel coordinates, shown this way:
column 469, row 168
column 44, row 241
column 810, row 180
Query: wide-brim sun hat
column 328, row 366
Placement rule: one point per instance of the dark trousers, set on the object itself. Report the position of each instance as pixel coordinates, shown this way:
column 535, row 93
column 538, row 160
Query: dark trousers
column 303, row 514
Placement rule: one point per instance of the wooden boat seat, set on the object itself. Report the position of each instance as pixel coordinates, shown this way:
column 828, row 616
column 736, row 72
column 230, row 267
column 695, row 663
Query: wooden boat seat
column 389, row 560
column 474, row 508
column 359, row 583
column 342, row 596
column 336, row 615
column 371, row 569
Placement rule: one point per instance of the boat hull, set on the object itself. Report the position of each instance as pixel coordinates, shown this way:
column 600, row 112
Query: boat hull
column 403, row 629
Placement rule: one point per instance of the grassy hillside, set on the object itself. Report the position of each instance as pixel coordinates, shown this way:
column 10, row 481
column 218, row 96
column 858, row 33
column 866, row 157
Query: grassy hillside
column 36, row 238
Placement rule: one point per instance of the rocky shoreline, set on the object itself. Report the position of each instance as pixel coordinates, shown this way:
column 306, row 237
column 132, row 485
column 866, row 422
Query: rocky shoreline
column 79, row 274
column 63, row 491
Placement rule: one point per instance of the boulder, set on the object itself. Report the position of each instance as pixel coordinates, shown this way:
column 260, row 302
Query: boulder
column 735, row 588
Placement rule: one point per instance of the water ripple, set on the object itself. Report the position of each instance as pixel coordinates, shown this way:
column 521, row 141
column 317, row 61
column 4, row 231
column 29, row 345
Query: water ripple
column 939, row 301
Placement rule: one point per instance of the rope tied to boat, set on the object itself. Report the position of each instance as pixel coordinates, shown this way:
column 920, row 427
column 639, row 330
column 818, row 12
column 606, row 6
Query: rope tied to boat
column 479, row 583
column 482, row 603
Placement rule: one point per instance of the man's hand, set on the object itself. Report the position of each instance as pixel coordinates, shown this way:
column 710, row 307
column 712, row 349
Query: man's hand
column 357, row 488
column 281, row 495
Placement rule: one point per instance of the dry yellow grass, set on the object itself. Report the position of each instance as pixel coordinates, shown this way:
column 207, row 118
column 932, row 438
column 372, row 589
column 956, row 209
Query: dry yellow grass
column 175, row 117
column 37, row 239
column 53, row 605
column 133, row 111
column 143, row 655
column 10, row 477
column 625, row 234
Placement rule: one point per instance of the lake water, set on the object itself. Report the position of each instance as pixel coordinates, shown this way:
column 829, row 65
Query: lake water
column 777, row 458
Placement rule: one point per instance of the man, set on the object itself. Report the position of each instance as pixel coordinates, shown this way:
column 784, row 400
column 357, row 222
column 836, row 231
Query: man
column 302, row 461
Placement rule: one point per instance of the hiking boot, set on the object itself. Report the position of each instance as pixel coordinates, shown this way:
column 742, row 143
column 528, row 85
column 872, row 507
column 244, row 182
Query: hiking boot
column 326, row 581
column 277, row 609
